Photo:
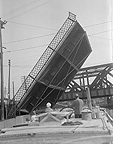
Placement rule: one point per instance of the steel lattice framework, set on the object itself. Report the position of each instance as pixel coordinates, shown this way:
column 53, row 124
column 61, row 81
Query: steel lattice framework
column 49, row 52
column 98, row 78
column 56, row 67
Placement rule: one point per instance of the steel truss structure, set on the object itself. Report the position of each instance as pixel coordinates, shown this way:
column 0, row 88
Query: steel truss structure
column 98, row 78
column 55, row 69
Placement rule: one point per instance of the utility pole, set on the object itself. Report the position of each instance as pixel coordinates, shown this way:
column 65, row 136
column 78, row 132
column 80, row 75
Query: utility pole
column 13, row 89
column 9, row 63
column 1, row 69
column 14, row 102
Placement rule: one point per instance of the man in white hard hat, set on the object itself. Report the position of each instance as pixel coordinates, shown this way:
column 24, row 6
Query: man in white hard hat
column 48, row 107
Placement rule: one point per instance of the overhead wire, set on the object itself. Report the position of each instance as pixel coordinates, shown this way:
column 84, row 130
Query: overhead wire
column 52, row 34
column 28, row 38
column 30, row 25
column 32, row 2
column 26, row 48
column 46, row 44
column 16, row 16
column 19, row 8
column 43, row 36
column 101, row 37
column 97, row 24
column 55, row 29
column 43, row 27
column 52, row 29
column 24, row 66
column 93, row 35
column 100, row 32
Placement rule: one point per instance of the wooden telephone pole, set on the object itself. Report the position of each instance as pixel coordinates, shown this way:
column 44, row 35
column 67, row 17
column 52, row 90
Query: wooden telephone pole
column 9, row 63
column 1, row 69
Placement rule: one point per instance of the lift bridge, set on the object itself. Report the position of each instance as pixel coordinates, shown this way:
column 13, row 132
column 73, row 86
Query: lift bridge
column 55, row 69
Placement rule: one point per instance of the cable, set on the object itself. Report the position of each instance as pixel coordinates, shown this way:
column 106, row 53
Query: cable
column 28, row 38
column 55, row 29
column 97, row 24
column 100, row 32
column 25, row 48
column 24, row 66
column 46, row 44
column 101, row 38
column 29, row 10
column 19, row 8
column 31, row 25
column 49, row 35
column 46, row 28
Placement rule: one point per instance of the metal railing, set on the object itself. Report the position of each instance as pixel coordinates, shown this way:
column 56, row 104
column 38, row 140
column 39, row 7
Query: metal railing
column 106, row 121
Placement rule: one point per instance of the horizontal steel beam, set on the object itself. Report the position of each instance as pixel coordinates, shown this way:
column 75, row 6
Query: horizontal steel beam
column 95, row 93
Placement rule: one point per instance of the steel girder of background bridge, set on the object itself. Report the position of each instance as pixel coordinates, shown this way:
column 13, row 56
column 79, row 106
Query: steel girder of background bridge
column 98, row 78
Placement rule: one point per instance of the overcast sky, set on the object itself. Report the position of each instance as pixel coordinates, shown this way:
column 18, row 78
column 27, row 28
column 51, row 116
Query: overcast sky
column 32, row 24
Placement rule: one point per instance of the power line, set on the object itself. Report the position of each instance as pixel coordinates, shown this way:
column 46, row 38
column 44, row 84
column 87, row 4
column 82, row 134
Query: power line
column 98, row 24
column 26, row 48
column 19, row 8
column 46, row 44
column 100, row 32
column 46, row 28
column 55, row 29
column 28, row 38
column 49, row 35
column 30, row 25
column 17, row 66
column 101, row 38
column 29, row 10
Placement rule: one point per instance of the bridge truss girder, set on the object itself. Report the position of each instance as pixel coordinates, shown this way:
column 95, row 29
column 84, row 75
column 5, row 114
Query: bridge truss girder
column 98, row 78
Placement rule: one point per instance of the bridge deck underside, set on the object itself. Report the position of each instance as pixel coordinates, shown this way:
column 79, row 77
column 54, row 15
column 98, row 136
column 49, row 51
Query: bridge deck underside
column 56, row 68
column 59, row 71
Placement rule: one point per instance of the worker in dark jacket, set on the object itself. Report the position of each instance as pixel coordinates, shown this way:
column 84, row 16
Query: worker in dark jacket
column 77, row 106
